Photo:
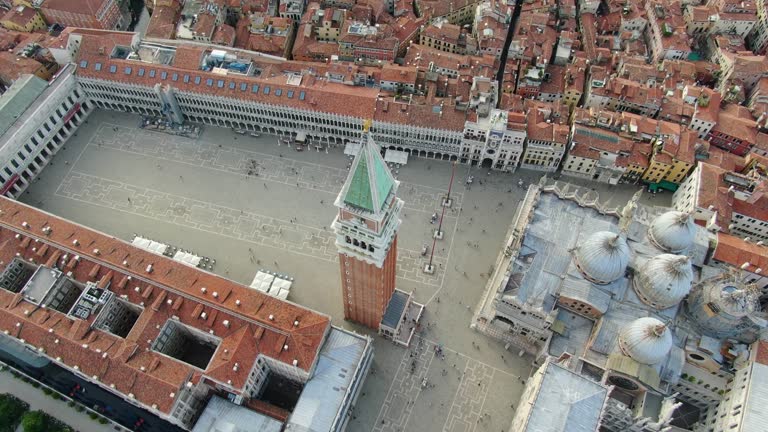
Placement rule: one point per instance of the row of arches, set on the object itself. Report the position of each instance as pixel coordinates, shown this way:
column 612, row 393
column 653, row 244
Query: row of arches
column 426, row 154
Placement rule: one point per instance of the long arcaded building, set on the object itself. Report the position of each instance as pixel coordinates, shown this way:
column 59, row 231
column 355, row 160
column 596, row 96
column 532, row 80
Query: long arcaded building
column 168, row 337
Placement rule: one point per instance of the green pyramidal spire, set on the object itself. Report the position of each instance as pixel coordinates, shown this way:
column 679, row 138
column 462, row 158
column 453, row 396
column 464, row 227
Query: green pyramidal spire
column 370, row 180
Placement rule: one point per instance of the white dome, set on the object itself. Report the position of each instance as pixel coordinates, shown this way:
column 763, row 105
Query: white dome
column 602, row 257
column 664, row 280
column 673, row 231
column 646, row 340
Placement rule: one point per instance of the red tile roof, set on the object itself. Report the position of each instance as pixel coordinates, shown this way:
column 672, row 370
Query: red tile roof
column 735, row 251
column 762, row 352
column 320, row 95
column 162, row 24
column 257, row 323
column 90, row 7
column 20, row 15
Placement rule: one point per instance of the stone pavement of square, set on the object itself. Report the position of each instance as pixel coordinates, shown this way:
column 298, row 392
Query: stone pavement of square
column 245, row 162
column 242, row 225
column 465, row 412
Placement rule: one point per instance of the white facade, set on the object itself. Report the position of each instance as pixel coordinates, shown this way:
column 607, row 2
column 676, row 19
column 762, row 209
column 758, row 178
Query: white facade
column 742, row 409
column 490, row 139
column 274, row 119
column 37, row 135
column 686, row 199
column 542, row 155
column 758, row 38
column 578, row 166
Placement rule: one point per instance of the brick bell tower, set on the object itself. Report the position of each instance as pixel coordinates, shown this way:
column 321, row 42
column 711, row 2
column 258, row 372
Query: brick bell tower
column 366, row 235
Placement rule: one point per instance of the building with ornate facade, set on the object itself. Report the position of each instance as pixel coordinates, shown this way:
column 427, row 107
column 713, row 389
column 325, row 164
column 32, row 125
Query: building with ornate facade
column 38, row 119
column 630, row 296
column 164, row 336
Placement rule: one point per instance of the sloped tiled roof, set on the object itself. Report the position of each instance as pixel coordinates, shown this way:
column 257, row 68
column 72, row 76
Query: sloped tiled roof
column 370, row 181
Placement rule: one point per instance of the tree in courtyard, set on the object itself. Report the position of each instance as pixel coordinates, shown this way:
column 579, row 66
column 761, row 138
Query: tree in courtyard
column 11, row 411
column 35, row 421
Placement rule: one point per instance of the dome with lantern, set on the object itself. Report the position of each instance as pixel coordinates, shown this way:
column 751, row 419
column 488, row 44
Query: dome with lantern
column 603, row 257
column 673, row 231
column 645, row 340
column 664, row 280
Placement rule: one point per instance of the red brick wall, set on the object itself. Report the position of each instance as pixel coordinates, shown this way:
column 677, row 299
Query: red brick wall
column 366, row 289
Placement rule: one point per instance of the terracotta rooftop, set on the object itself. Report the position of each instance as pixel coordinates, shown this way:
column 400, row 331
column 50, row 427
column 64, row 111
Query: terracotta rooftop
column 89, row 7
column 20, row 15
column 736, row 121
column 311, row 94
column 712, row 192
column 224, row 34
column 445, row 32
column 12, row 67
column 735, row 251
column 162, row 24
column 762, row 352
column 247, row 322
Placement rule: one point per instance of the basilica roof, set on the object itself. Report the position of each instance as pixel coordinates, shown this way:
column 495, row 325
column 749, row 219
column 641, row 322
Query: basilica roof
column 646, row 340
column 664, row 280
column 673, row 231
column 603, row 257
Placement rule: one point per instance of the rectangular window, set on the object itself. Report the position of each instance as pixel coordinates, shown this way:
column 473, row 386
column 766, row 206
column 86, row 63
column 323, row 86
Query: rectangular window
column 112, row 69
column 290, row 94
column 220, row 83
column 209, row 82
column 197, row 80
column 97, row 66
column 186, row 78
column 28, row 148
column 175, row 77
column 231, row 85
column 8, row 171
column 127, row 70
column 84, row 64
column 151, row 73
column 278, row 92
column 163, row 75
column 302, row 95
column 243, row 86
column 266, row 90
column 141, row 72
column 255, row 88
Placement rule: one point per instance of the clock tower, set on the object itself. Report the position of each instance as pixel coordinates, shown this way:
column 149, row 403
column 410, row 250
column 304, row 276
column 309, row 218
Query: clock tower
column 366, row 229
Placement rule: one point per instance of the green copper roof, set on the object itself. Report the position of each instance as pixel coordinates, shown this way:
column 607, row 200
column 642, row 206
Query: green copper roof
column 20, row 96
column 371, row 180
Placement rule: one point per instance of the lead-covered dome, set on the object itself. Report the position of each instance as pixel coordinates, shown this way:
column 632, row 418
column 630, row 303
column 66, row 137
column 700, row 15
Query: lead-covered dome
column 646, row 340
column 664, row 280
column 602, row 257
column 673, row 231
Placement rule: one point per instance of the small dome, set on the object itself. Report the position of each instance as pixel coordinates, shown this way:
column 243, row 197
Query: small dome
column 602, row 257
column 673, row 231
column 664, row 280
column 646, row 340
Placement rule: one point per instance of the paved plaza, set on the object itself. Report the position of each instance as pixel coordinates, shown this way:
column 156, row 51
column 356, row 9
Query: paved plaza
column 251, row 204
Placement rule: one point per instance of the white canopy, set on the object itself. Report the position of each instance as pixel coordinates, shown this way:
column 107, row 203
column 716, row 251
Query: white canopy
column 272, row 285
column 262, row 281
column 149, row 245
column 352, row 148
column 187, row 258
column 396, row 156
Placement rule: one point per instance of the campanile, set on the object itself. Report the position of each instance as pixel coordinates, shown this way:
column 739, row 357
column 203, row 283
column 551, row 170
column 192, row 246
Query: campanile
column 366, row 229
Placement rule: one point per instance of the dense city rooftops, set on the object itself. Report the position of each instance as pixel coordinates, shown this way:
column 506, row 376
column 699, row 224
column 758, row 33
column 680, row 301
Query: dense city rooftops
column 235, row 324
